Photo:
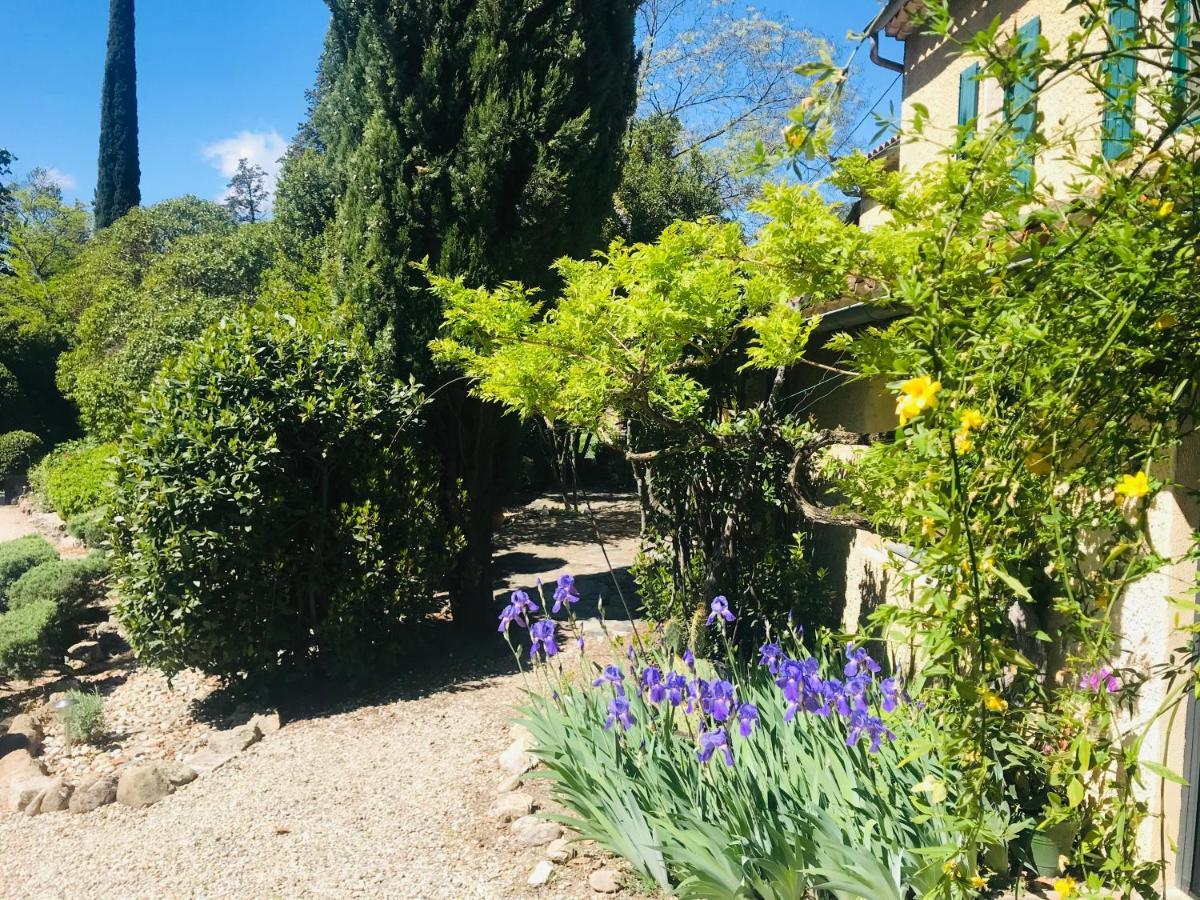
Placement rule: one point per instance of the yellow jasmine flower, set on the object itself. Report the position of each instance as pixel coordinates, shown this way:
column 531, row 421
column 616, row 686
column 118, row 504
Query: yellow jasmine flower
column 1165, row 321
column 1166, row 208
column 927, row 527
column 963, row 442
column 916, row 395
column 931, row 786
column 1131, row 487
column 971, row 419
column 1066, row 887
column 993, row 702
column 978, row 882
column 950, row 866
column 1038, row 462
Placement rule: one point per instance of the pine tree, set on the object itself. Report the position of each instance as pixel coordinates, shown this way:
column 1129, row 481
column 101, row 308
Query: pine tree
column 484, row 136
column 118, row 175
column 248, row 194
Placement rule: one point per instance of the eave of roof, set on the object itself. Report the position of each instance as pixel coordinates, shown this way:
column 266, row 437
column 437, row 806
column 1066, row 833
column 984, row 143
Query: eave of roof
column 896, row 18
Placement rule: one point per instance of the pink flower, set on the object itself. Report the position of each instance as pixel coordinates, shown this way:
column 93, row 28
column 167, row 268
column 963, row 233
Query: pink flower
column 1100, row 679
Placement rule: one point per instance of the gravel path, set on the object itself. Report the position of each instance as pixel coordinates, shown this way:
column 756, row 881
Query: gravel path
column 14, row 523
column 386, row 798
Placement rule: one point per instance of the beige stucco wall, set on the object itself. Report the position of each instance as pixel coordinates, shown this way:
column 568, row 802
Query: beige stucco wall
column 1146, row 621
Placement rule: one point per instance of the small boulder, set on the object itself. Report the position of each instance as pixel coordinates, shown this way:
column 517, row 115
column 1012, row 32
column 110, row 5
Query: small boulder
column 207, row 761
column 534, row 832
column 142, row 786
column 85, row 651
column 605, row 881
column 177, row 773
column 267, row 723
column 93, row 794
column 541, row 874
column 511, row 806
column 508, row 784
column 25, row 727
column 522, row 737
column 19, row 763
column 235, row 740
column 516, row 760
column 22, row 791
column 53, row 798
column 560, row 851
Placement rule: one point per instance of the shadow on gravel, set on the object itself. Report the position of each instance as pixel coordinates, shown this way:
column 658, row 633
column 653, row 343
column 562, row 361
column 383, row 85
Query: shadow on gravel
column 553, row 526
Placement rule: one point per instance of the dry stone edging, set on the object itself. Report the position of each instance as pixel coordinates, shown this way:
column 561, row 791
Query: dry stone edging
column 92, row 794
column 511, row 806
column 534, row 832
column 605, row 881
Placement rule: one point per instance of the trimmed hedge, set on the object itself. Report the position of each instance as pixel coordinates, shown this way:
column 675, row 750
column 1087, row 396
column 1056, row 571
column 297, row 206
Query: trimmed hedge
column 18, row 451
column 91, row 527
column 18, row 557
column 27, row 637
column 71, row 583
column 75, row 477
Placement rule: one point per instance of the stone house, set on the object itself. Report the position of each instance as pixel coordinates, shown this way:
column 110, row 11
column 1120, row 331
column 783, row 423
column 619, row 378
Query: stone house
column 937, row 79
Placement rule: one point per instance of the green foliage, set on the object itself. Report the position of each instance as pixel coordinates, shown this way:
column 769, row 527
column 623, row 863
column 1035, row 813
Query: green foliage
column 118, row 173
column 75, row 477
column 83, row 720
column 28, row 637
column 19, row 556
column 144, row 288
column 660, row 183
column 18, row 451
column 71, row 584
column 91, row 527
column 798, row 814
column 270, row 515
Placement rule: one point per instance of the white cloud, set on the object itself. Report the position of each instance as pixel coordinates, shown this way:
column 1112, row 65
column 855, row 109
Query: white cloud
column 64, row 180
column 258, row 148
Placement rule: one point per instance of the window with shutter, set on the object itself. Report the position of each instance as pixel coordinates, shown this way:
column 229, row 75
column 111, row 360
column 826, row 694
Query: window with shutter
column 1020, row 99
column 1187, row 78
column 1120, row 72
column 968, row 102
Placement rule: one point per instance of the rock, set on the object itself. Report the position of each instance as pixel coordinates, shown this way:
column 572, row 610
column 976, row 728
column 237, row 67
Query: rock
column 111, row 643
column 534, row 832
column 511, row 806
column 93, row 794
column 508, row 784
column 142, row 786
column 25, row 726
column 177, row 773
column 19, row 764
column 21, row 791
column 541, row 874
column 235, row 740
column 53, row 798
column 267, row 723
column 516, row 760
column 560, row 851
column 207, row 761
column 85, row 651
column 605, row 881
column 522, row 737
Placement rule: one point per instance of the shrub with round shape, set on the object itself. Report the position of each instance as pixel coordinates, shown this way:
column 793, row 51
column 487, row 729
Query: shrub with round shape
column 18, row 557
column 91, row 527
column 71, row 583
column 270, row 515
column 18, row 451
column 27, row 636
column 75, row 477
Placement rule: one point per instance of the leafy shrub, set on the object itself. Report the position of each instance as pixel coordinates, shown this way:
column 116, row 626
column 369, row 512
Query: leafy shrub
column 19, row 556
column 18, row 451
column 75, row 477
column 70, row 583
column 269, row 516
column 797, row 784
column 91, row 527
column 82, row 720
column 27, row 637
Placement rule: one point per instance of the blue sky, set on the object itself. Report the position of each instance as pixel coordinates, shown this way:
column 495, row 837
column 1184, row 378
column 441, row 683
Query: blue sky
column 217, row 79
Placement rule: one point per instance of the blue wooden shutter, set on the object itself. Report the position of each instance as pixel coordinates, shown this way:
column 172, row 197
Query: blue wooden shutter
column 1120, row 72
column 1020, row 101
column 1180, row 61
column 968, row 101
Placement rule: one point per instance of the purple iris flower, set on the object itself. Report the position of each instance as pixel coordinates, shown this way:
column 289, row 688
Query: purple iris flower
column 611, row 675
column 747, row 718
column 854, row 693
column 519, row 606
column 676, row 687
column 618, row 711
column 890, row 688
column 565, row 592
column 719, row 702
column 542, row 633
column 719, row 609
column 859, row 661
column 872, row 727
column 689, row 660
column 1101, row 679
column 710, row 741
column 697, row 690
column 772, row 655
column 652, row 681
column 802, row 687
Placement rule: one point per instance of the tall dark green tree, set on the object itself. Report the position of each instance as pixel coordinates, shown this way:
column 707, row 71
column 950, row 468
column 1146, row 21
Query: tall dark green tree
column 118, row 176
column 486, row 137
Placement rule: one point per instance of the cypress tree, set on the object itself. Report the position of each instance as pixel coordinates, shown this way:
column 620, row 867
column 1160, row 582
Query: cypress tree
column 118, row 175
column 484, row 136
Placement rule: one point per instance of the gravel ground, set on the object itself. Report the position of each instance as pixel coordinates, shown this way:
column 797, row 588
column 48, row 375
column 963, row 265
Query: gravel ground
column 386, row 797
